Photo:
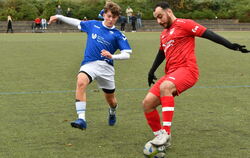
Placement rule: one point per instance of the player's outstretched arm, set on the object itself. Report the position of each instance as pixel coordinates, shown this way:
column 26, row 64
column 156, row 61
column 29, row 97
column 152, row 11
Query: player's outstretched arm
column 125, row 54
column 157, row 62
column 208, row 34
column 70, row 21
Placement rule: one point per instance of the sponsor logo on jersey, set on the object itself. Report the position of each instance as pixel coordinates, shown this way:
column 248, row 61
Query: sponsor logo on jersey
column 168, row 44
column 96, row 26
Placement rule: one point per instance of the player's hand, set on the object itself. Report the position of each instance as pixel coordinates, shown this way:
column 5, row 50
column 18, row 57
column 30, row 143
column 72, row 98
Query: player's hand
column 106, row 54
column 241, row 48
column 151, row 78
column 52, row 19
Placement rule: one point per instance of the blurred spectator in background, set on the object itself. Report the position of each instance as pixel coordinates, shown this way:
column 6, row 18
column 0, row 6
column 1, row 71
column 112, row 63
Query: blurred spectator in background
column 123, row 21
column 33, row 26
column 85, row 19
column 37, row 23
column 69, row 13
column 9, row 24
column 133, row 22
column 44, row 23
column 138, row 16
column 59, row 11
column 129, row 12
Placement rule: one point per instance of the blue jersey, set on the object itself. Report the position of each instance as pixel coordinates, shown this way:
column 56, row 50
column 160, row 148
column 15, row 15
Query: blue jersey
column 101, row 37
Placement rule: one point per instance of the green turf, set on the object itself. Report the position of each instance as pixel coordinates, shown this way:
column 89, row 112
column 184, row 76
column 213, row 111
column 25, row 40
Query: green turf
column 37, row 82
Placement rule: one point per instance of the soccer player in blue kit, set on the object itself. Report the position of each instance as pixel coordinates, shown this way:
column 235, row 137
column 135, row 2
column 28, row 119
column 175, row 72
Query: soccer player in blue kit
column 102, row 42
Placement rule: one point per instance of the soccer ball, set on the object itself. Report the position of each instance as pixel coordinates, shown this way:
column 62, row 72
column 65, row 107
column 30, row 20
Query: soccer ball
column 151, row 151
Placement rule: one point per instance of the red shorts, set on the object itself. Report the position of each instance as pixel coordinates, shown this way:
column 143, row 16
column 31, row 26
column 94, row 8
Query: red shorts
column 183, row 79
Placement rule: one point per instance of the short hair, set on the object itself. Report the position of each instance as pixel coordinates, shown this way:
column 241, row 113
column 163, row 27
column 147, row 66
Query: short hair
column 113, row 8
column 163, row 5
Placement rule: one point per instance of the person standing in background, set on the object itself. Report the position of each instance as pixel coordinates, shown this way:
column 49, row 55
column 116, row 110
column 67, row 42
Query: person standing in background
column 133, row 23
column 129, row 12
column 59, row 11
column 69, row 13
column 44, row 23
column 123, row 20
column 139, row 16
column 9, row 24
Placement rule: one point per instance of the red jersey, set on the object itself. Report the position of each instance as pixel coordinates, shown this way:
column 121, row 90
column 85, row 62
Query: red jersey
column 178, row 44
column 37, row 20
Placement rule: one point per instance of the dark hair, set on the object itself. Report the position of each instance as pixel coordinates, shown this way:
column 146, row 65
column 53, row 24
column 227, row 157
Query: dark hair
column 163, row 5
column 113, row 8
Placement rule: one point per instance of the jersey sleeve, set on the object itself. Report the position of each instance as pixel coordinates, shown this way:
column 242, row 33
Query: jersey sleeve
column 85, row 26
column 123, row 44
column 160, row 47
column 193, row 28
column 163, row 34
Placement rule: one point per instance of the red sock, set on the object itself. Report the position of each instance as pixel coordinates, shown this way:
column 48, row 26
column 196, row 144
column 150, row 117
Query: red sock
column 154, row 122
column 167, row 112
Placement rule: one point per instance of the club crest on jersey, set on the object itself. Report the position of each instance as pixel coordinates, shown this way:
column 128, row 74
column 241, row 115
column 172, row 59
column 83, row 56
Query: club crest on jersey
column 94, row 36
column 111, row 32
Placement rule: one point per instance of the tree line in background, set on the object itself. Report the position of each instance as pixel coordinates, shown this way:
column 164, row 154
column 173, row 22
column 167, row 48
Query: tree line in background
column 192, row 9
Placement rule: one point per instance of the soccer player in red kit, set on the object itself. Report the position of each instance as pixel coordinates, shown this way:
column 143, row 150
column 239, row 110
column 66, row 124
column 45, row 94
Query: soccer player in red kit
column 177, row 46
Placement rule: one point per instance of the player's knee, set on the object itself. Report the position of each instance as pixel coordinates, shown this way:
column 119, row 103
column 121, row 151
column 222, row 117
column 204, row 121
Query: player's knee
column 81, row 84
column 111, row 101
column 145, row 105
column 110, row 98
column 167, row 88
column 82, row 81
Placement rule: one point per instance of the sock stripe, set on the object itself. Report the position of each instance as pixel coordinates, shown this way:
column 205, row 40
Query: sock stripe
column 167, row 109
column 81, row 110
column 167, row 112
column 167, row 123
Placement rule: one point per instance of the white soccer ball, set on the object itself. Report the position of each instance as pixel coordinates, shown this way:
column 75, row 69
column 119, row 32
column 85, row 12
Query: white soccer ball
column 151, row 151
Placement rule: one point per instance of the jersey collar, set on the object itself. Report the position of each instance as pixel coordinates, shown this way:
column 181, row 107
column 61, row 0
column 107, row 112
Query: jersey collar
column 107, row 27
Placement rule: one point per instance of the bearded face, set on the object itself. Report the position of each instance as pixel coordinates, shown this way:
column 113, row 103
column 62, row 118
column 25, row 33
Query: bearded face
column 163, row 17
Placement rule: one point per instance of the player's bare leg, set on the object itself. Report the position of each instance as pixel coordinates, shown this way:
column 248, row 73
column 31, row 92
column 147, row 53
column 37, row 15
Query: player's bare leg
column 150, row 102
column 82, row 83
column 111, row 100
